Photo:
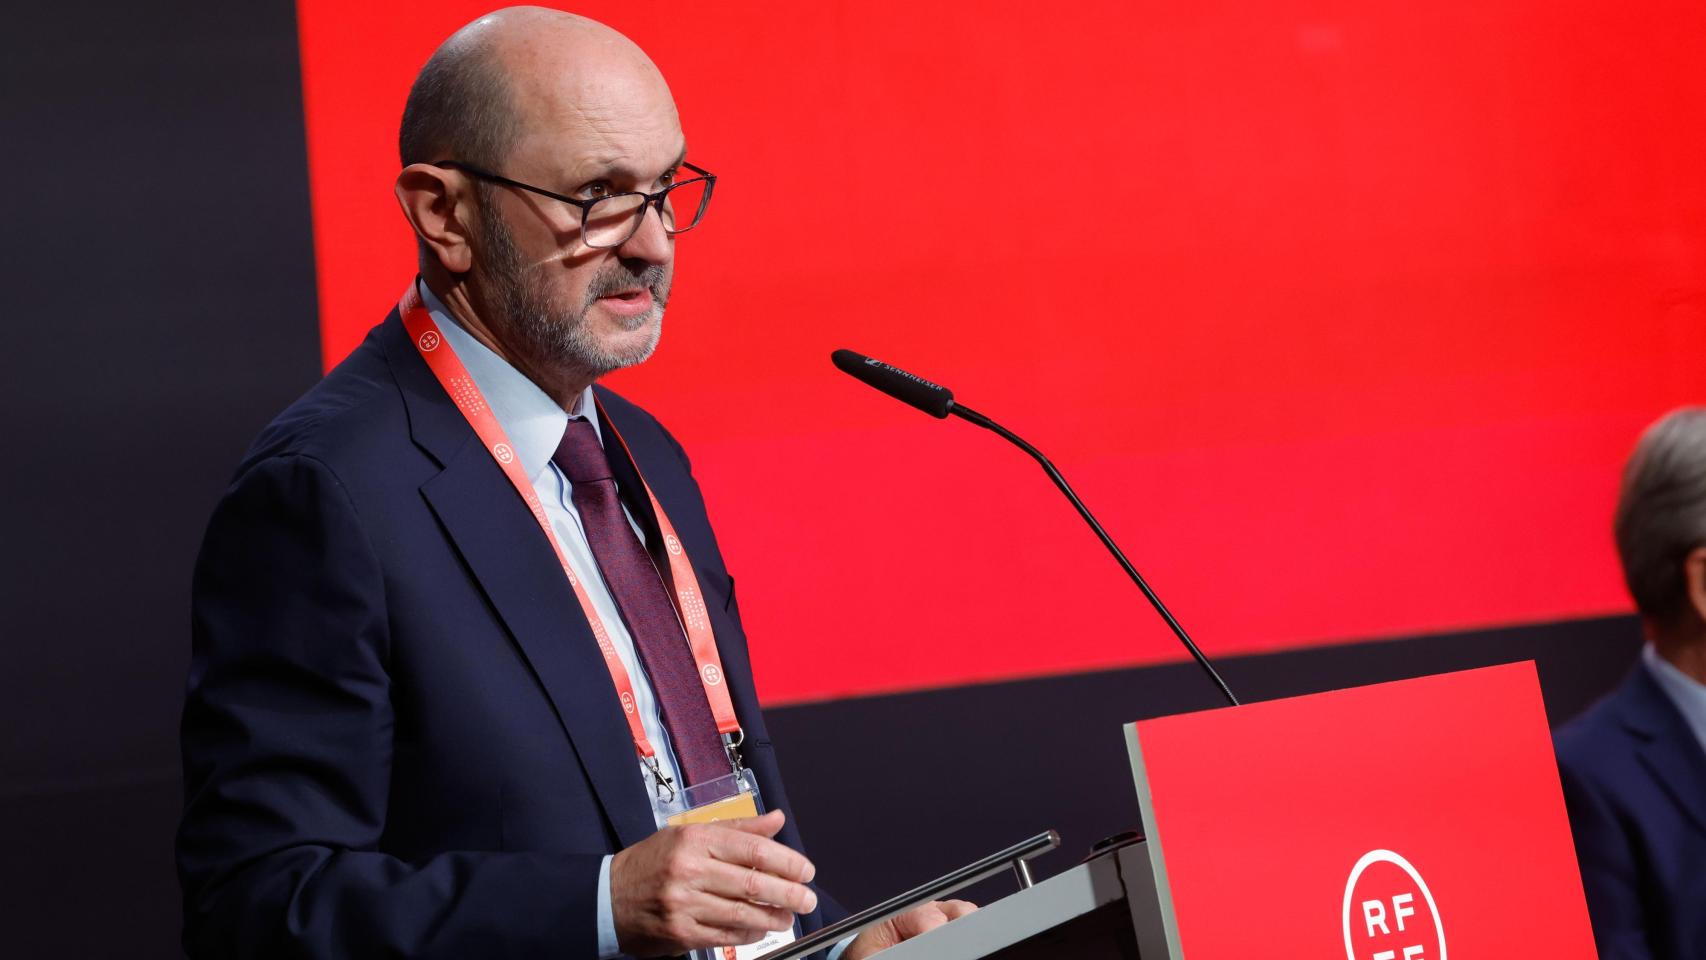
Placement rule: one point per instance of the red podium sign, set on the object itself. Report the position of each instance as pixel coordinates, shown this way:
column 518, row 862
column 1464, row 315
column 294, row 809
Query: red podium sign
column 1404, row 821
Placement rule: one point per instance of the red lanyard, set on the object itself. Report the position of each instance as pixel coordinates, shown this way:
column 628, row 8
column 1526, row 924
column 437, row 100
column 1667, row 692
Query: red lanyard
column 689, row 604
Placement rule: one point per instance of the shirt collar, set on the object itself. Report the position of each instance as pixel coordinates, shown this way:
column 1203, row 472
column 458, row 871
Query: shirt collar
column 1687, row 693
column 533, row 421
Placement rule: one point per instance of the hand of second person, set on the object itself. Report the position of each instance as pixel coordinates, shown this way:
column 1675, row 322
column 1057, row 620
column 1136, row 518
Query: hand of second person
column 912, row 923
column 707, row 885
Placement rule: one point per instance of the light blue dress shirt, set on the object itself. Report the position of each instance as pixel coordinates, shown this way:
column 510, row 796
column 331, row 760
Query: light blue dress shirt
column 1687, row 693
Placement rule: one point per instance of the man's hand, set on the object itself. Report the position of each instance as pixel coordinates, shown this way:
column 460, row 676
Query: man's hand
column 918, row 920
column 707, row 885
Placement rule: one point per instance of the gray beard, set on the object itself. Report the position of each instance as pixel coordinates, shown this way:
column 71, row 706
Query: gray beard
column 556, row 338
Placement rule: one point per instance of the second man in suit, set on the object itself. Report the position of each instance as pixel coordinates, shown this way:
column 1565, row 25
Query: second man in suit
column 1634, row 765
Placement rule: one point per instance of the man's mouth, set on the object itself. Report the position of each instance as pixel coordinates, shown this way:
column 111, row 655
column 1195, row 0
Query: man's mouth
column 630, row 301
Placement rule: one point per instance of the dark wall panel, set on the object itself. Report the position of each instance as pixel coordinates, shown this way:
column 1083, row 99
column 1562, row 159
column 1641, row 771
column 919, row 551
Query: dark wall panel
column 159, row 307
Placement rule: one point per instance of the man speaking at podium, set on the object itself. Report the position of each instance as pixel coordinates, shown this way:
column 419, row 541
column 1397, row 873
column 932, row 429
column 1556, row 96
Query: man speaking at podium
column 463, row 639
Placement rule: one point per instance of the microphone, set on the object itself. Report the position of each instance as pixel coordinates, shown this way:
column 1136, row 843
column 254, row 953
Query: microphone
column 912, row 390
column 938, row 401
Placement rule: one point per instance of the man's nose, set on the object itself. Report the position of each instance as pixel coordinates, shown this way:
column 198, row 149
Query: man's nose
column 650, row 241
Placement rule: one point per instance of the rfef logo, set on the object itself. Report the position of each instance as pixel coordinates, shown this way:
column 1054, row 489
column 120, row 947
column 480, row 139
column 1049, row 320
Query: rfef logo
column 430, row 341
column 1389, row 912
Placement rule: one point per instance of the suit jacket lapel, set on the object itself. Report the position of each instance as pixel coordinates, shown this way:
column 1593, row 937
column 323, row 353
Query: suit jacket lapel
column 1668, row 749
column 517, row 570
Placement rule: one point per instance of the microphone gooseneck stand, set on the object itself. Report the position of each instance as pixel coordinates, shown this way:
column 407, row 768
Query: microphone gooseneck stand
column 972, row 416
column 938, row 401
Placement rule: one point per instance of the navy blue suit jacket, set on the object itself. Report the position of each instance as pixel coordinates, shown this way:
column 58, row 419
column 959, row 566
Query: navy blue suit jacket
column 1635, row 783
column 399, row 738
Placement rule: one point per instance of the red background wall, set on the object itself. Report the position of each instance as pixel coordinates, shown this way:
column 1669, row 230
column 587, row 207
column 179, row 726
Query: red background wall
column 1341, row 318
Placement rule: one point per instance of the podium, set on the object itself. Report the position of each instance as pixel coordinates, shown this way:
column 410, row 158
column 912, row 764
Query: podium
column 1400, row 821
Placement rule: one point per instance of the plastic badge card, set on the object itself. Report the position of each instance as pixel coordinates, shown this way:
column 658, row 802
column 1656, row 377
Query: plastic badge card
column 726, row 798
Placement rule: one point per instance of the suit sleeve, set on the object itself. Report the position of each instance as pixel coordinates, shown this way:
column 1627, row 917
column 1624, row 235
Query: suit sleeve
column 287, row 739
column 1609, row 874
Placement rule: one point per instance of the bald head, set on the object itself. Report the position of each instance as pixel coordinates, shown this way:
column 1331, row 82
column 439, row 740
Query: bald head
column 546, row 116
column 518, row 72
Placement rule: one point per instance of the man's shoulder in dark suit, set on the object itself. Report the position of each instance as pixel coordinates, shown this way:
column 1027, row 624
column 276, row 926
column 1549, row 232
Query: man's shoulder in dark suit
column 1634, row 779
column 365, row 748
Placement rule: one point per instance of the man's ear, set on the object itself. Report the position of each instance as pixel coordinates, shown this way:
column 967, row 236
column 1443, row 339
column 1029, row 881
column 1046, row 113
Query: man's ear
column 441, row 210
column 1694, row 580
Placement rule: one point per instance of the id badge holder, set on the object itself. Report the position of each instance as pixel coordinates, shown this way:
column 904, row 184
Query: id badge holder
column 725, row 798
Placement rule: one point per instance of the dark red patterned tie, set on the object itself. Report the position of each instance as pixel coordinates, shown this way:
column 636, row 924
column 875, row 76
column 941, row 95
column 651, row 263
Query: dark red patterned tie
column 644, row 601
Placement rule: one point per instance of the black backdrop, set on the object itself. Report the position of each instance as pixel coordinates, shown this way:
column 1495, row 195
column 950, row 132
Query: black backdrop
column 158, row 301
column 159, row 308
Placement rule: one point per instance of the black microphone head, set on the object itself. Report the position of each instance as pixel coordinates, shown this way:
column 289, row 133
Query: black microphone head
column 897, row 383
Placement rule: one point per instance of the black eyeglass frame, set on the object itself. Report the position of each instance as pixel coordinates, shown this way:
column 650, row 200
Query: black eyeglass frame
column 651, row 199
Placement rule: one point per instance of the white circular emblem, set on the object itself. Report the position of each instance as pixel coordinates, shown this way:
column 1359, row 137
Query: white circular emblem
column 1389, row 912
column 430, row 341
column 503, row 453
column 672, row 545
column 713, row 676
column 627, row 703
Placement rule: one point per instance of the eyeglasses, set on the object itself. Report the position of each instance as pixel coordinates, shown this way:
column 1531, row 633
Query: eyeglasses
column 609, row 221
